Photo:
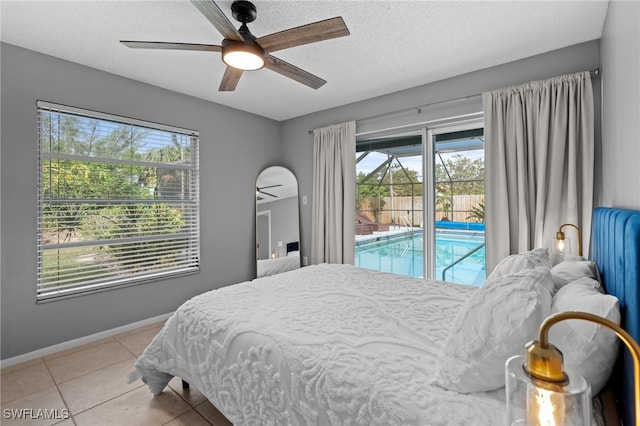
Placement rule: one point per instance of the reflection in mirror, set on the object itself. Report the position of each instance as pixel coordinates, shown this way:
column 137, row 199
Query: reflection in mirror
column 277, row 221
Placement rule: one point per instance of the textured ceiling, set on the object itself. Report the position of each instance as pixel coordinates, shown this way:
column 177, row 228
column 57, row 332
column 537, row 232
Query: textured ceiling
column 276, row 183
column 394, row 45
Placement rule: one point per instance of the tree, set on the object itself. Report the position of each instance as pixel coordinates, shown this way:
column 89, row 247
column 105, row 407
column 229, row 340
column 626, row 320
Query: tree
column 91, row 175
column 457, row 175
column 135, row 220
column 368, row 189
column 403, row 182
column 391, row 180
column 406, row 182
column 167, row 183
column 460, row 175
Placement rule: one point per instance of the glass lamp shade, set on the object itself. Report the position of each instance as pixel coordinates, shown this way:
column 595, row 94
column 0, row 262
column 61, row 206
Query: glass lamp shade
column 242, row 56
column 533, row 402
column 559, row 250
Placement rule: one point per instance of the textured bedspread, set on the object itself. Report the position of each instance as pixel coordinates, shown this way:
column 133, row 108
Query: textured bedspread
column 278, row 265
column 325, row 344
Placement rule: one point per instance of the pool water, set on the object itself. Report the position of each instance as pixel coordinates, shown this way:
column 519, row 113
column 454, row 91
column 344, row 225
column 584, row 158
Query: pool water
column 404, row 255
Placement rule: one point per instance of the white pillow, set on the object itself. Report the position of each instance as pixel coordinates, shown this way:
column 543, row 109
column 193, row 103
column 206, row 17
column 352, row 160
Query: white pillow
column 588, row 348
column 572, row 269
column 518, row 262
column 492, row 326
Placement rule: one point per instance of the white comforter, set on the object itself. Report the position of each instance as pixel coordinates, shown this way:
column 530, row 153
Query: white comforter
column 325, row 344
column 277, row 265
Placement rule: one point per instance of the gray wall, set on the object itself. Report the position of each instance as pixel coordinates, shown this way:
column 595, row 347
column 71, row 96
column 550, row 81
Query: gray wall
column 234, row 147
column 284, row 221
column 620, row 52
column 298, row 144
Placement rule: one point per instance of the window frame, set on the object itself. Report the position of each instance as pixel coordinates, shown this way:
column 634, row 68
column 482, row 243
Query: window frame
column 186, row 261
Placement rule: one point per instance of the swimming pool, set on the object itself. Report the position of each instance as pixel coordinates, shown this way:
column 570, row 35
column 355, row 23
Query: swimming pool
column 404, row 254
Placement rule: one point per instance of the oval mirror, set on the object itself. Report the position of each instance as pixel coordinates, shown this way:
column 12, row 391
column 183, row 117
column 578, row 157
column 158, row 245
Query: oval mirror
column 277, row 221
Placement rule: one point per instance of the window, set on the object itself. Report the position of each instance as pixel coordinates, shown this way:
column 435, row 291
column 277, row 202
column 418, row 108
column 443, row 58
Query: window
column 118, row 201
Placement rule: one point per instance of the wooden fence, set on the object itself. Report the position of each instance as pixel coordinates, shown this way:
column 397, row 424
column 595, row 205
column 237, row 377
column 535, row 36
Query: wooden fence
column 389, row 211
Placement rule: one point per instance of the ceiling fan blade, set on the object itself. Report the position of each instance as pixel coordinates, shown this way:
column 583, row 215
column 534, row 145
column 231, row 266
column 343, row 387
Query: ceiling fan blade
column 168, row 45
column 269, row 186
column 310, row 33
column 230, row 79
column 293, row 72
column 266, row 193
column 214, row 14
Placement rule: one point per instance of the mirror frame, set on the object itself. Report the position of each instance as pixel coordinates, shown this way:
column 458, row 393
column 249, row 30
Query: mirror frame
column 276, row 187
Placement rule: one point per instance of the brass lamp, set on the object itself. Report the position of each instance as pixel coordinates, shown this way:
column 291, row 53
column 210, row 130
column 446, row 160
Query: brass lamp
column 562, row 243
column 540, row 392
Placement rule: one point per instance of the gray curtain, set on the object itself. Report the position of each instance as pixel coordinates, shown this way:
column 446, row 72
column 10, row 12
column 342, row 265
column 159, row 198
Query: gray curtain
column 334, row 175
column 538, row 163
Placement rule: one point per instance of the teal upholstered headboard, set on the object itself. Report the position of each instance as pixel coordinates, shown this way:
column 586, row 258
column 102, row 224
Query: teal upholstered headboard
column 615, row 247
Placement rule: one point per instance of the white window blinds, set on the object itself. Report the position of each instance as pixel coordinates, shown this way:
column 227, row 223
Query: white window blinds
column 118, row 201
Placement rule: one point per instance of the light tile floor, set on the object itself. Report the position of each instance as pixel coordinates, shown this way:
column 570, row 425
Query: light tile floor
column 85, row 385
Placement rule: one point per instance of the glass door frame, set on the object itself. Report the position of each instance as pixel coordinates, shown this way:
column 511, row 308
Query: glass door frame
column 428, row 129
column 474, row 121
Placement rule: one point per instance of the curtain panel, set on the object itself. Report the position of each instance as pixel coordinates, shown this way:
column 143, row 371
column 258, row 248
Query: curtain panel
column 539, row 159
column 334, row 175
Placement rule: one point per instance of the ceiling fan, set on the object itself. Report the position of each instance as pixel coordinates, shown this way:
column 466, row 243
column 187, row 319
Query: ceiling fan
column 259, row 189
column 242, row 51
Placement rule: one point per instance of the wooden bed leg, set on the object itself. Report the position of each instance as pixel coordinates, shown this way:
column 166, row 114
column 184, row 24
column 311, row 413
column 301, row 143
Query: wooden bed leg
column 185, row 385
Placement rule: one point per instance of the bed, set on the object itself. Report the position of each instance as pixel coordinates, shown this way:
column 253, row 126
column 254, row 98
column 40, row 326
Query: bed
column 278, row 265
column 336, row 344
column 616, row 251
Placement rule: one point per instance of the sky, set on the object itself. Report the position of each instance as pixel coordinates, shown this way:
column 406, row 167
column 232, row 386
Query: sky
column 374, row 159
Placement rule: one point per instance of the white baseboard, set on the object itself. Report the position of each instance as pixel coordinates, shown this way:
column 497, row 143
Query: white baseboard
column 80, row 341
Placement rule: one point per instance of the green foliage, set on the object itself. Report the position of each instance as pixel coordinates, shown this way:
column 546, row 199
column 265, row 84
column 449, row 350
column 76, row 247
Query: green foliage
column 477, row 212
column 444, row 204
column 370, row 192
column 376, row 204
column 64, row 219
column 370, row 187
column 466, row 173
column 104, row 175
column 135, row 220
column 455, row 174
column 406, row 182
column 71, row 263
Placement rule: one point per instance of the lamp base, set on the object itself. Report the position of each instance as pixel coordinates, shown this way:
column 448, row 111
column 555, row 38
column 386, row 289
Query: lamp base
column 536, row 402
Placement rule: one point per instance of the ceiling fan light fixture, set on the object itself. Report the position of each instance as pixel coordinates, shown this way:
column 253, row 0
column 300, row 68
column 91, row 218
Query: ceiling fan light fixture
column 242, row 56
column 242, row 51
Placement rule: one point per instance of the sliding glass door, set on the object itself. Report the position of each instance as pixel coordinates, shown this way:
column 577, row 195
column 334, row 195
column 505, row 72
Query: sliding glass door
column 389, row 204
column 422, row 218
column 456, row 161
